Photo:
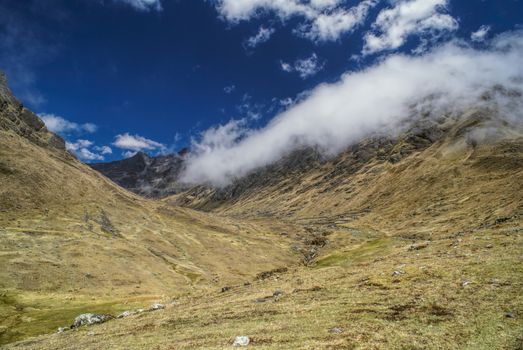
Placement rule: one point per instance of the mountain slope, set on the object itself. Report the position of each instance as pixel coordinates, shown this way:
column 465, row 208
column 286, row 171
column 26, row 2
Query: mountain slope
column 467, row 167
column 72, row 241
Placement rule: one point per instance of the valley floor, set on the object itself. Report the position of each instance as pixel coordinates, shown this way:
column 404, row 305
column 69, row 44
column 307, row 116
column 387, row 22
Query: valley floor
column 366, row 290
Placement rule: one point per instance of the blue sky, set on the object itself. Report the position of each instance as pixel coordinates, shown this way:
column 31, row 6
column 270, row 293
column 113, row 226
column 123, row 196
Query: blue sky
column 117, row 76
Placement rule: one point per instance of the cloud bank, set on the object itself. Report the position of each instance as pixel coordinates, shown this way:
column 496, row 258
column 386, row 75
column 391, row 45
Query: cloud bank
column 334, row 116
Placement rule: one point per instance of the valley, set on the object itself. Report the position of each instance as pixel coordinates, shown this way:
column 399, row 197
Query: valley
column 405, row 242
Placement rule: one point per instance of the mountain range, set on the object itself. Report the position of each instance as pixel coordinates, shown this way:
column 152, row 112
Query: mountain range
column 404, row 240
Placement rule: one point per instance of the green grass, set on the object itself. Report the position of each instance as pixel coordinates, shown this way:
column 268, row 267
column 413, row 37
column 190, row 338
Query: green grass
column 27, row 316
column 369, row 250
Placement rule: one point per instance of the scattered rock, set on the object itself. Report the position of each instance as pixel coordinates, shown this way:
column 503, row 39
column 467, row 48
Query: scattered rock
column 489, row 246
column 156, row 306
column 61, row 330
column 90, row 319
column 510, row 315
column 277, row 293
column 125, row 314
column 241, row 341
column 90, row 334
column 262, row 300
column 465, row 283
column 418, row 246
column 266, row 274
column 225, row 289
column 398, row 273
column 336, row 330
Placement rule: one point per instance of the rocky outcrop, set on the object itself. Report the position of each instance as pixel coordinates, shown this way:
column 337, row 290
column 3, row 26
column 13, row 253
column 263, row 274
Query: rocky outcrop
column 90, row 319
column 155, row 177
column 16, row 118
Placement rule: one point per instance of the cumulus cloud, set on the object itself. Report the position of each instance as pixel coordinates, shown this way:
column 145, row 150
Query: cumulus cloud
column 61, row 125
column 379, row 98
column 85, row 151
column 143, row 5
column 136, row 143
column 306, row 67
column 480, row 34
column 321, row 20
column 393, row 26
column 263, row 35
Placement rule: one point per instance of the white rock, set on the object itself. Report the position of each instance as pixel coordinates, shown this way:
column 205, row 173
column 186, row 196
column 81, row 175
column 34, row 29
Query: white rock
column 157, row 307
column 241, row 341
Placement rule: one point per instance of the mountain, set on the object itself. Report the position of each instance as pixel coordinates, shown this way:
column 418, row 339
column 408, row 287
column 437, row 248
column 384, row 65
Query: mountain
column 154, row 177
column 467, row 165
column 410, row 240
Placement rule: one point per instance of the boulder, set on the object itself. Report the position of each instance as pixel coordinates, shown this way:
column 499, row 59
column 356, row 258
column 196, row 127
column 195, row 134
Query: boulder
column 241, row 341
column 90, row 319
column 156, row 306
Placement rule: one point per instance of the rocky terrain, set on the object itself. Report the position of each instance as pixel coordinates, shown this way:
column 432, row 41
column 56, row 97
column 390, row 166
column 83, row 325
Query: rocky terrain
column 405, row 241
column 154, row 177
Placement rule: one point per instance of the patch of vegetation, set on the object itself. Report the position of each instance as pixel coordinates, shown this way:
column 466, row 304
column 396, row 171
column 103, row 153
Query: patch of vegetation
column 365, row 252
column 24, row 316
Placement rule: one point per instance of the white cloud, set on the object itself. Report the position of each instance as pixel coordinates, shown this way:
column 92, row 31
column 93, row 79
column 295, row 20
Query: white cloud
column 306, row 67
column 143, row 5
column 82, row 149
column 321, row 20
column 330, row 26
column 229, row 89
column 263, row 35
column 104, row 149
column 379, row 98
column 136, row 143
column 286, row 67
column 393, row 26
column 480, row 34
column 61, row 125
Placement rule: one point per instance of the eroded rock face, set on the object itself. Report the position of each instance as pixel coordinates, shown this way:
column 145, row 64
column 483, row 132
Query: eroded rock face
column 90, row 319
column 15, row 117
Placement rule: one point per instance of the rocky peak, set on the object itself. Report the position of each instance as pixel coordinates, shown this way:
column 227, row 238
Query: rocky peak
column 16, row 118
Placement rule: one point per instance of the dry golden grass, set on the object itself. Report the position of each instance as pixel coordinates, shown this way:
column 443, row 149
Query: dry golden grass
column 71, row 240
column 427, row 306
